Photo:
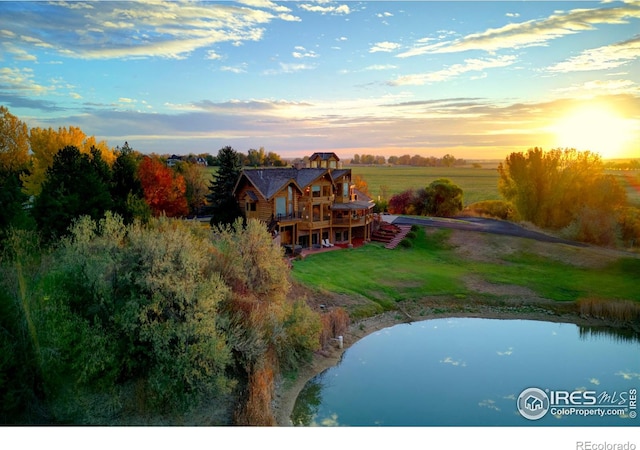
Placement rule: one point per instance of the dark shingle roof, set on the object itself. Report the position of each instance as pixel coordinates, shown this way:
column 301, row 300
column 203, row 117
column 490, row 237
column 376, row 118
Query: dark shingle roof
column 324, row 156
column 271, row 181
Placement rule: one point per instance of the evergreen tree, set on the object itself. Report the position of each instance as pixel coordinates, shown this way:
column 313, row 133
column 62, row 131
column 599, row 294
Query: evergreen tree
column 76, row 184
column 126, row 188
column 222, row 203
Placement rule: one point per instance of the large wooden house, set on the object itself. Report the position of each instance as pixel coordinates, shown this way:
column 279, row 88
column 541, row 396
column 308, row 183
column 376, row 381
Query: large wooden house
column 307, row 207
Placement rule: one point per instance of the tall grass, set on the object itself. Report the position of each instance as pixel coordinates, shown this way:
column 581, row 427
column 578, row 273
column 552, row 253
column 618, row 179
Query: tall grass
column 617, row 310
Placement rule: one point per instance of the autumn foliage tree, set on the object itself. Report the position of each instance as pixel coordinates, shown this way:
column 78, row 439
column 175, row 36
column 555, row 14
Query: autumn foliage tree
column 45, row 143
column 14, row 142
column 164, row 190
column 564, row 189
column 549, row 188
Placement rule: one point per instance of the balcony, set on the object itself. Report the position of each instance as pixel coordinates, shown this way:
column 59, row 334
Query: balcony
column 319, row 199
column 354, row 220
column 293, row 217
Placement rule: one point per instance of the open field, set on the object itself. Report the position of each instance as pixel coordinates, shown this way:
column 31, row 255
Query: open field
column 630, row 180
column 477, row 184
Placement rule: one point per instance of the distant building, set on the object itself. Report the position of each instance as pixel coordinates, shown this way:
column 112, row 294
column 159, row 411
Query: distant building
column 173, row 160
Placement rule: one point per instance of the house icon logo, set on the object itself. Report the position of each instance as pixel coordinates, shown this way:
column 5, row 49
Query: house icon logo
column 533, row 403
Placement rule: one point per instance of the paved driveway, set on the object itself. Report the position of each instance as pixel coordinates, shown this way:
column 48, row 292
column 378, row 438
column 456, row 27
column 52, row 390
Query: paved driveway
column 482, row 225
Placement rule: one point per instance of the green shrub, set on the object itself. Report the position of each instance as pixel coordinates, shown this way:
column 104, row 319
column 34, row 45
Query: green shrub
column 498, row 209
column 405, row 243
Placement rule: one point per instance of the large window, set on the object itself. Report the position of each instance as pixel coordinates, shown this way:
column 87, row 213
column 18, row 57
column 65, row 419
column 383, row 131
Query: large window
column 315, row 189
column 281, row 206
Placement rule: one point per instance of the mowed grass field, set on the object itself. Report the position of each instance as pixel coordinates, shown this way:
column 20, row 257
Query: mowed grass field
column 477, row 183
column 436, row 267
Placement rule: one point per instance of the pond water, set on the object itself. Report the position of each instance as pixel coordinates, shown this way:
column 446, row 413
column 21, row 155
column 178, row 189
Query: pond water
column 479, row 372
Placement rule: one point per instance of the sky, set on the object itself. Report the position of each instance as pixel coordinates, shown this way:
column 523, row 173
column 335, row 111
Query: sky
column 474, row 79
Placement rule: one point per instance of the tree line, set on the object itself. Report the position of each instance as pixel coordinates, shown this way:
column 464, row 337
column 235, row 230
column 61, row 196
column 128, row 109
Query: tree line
column 408, row 160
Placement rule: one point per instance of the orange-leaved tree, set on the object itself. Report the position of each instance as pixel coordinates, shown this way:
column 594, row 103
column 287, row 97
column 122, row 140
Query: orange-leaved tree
column 164, row 190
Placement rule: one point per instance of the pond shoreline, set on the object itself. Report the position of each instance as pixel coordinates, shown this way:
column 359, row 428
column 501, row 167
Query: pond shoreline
column 287, row 391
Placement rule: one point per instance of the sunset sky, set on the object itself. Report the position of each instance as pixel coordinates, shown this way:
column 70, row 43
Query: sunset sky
column 474, row 79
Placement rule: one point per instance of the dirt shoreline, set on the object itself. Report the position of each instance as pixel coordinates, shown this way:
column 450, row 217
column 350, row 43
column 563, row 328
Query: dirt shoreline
column 287, row 392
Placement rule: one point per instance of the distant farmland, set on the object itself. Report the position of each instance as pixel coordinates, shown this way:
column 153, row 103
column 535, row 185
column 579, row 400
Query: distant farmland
column 477, row 183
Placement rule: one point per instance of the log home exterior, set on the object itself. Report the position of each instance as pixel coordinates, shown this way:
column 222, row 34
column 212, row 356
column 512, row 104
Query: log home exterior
column 306, row 206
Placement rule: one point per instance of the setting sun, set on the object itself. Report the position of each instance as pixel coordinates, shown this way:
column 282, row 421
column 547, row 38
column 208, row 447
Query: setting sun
column 594, row 128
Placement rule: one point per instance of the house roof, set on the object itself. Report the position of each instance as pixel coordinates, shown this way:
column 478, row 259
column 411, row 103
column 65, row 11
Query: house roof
column 337, row 173
column 324, row 156
column 268, row 181
column 271, row 181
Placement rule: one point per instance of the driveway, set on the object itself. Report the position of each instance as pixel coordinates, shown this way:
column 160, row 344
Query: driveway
column 482, row 225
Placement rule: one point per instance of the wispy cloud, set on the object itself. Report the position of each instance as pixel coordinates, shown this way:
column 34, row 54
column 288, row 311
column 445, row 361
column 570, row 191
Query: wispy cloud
column 240, row 68
column 469, row 65
column 450, row 360
column 532, row 32
column 491, row 404
column 289, row 68
column 601, row 87
column 141, row 29
column 601, row 58
column 628, row 375
column 380, row 67
column 320, row 8
column 384, row 47
column 301, row 52
column 21, row 80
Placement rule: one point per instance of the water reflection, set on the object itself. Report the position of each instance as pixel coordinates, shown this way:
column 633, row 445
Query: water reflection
column 616, row 334
column 469, row 372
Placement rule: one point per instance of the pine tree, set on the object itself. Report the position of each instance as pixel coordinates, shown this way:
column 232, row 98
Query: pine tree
column 222, row 204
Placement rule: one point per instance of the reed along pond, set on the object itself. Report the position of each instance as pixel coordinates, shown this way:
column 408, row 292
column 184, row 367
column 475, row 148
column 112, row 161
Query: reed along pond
column 479, row 372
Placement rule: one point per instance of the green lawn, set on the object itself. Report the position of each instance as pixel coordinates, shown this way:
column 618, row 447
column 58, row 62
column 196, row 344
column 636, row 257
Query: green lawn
column 477, row 184
column 430, row 268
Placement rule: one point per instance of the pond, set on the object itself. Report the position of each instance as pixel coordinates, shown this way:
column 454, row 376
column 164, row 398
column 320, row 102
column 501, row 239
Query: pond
column 479, row 372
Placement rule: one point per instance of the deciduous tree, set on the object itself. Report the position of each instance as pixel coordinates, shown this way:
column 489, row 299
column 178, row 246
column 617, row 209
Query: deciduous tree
column 550, row 188
column 14, row 143
column 46, row 143
column 164, row 190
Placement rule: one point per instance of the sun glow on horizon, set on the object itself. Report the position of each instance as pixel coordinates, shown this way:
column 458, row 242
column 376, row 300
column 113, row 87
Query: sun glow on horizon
column 595, row 128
